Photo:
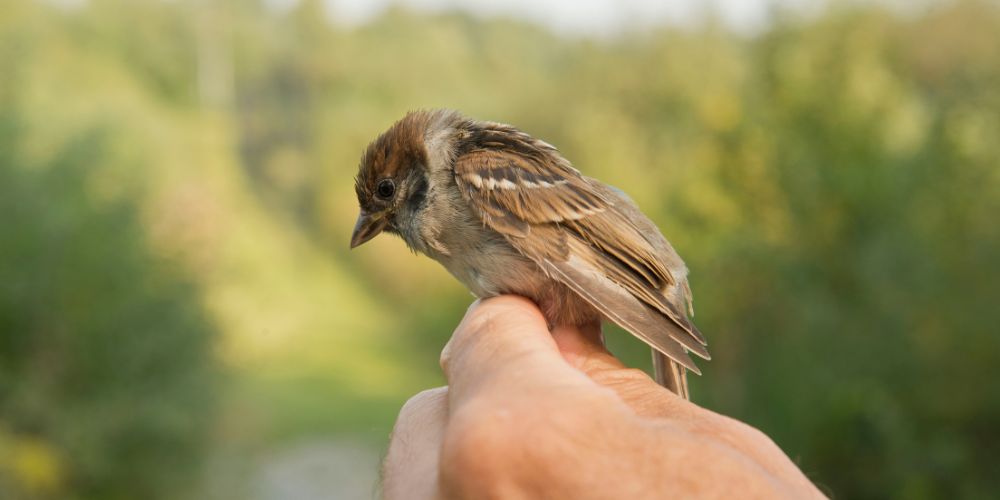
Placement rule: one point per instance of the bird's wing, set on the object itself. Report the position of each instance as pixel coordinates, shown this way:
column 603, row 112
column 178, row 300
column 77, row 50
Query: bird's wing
column 524, row 190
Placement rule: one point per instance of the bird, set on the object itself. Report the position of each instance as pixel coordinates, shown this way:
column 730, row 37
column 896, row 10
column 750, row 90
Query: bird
column 506, row 213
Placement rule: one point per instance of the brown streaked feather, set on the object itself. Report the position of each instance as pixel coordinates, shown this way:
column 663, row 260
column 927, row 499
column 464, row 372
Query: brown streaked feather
column 560, row 196
column 515, row 182
column 619, row 306
column 676, row 297
column 521, row 186
column 613, row 272
column 670, row 374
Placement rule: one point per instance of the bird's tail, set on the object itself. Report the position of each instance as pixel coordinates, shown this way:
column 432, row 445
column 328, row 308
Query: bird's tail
column 670, row 374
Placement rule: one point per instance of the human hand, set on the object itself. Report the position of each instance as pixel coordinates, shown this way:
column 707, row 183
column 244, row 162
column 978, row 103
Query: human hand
column 527, row 414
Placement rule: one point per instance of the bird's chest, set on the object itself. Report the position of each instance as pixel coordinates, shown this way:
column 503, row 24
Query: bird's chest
column 498, row 269
column 477, row 256
column 482, row 260
column 504, row 271
column 488, row 266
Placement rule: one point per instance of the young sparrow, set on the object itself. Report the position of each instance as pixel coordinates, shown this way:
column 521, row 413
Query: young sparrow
column 506, row 213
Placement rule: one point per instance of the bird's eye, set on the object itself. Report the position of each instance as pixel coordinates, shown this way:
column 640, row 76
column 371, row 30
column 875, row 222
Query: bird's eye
column 386, row 188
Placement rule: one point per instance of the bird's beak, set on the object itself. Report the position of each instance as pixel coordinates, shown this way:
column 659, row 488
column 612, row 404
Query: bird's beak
column 367, row 227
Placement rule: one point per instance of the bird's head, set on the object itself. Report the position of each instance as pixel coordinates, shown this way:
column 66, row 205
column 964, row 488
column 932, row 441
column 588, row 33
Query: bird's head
column 392, row 181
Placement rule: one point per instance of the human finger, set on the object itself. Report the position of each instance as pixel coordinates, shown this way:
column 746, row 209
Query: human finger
column 410, row 468
column 505, row 342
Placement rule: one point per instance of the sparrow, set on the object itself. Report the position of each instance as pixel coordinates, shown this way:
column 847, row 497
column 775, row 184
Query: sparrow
column 506, row 213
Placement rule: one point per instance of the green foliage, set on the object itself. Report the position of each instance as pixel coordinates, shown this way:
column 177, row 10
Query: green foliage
column 106, row 376
column 832, row 183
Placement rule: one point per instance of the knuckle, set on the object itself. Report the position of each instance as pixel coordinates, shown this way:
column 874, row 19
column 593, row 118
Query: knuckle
column 423, row 401
column 446, row 357
column 420, row 409
column 476, row 323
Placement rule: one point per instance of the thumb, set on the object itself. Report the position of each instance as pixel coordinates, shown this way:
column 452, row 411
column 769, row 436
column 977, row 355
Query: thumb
column 503, row 342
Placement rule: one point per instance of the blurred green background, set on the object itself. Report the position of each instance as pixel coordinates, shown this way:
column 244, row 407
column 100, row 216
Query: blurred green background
column 180, row 316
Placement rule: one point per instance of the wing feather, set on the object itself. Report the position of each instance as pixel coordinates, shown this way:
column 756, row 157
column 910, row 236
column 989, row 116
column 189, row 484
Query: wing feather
column 520, row 186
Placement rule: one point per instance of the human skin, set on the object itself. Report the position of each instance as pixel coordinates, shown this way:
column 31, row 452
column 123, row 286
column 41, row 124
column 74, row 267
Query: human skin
column 529, row 414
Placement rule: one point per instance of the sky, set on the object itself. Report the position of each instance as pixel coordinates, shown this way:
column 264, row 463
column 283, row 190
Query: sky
column 591, row 17
column 584, row 17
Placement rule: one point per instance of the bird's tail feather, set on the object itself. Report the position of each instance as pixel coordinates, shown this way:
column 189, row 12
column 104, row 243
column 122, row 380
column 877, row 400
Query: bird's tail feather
column 670, row 374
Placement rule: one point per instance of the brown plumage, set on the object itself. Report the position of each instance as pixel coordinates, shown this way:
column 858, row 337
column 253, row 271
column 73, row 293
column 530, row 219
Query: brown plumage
column 506, row 213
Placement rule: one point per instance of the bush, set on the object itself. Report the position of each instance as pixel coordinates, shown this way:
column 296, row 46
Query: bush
column 106, row 376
